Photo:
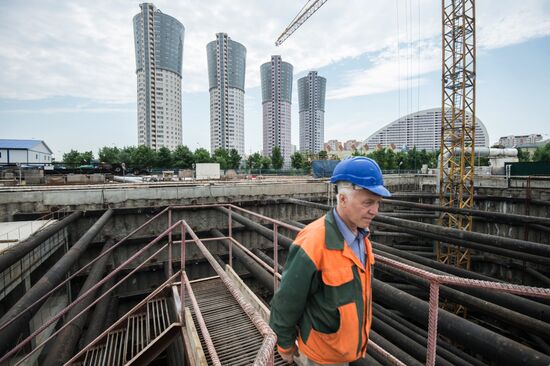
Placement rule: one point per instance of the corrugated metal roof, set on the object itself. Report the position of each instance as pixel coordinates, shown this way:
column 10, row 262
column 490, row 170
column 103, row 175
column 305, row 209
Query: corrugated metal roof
column 20, row 144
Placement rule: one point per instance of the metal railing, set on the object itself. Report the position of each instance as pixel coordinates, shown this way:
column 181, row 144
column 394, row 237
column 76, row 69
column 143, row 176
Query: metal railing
column 265, row 355
column 437, row 280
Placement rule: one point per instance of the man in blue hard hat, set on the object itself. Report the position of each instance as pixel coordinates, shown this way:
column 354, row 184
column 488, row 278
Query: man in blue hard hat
column 324, row 303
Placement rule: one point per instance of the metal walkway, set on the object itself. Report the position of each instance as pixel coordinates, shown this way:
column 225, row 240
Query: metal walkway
column 236, row 339
column 125, row 343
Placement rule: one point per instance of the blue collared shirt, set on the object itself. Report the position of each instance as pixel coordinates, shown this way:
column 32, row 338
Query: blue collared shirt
column 355, row 242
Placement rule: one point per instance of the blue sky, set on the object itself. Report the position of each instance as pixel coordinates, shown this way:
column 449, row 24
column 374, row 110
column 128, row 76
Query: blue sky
column 67, row 68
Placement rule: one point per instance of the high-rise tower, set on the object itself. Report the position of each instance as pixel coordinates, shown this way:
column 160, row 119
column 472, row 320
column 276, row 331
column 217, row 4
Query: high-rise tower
column 311, row 98
column 226, row 71
column 158, row 40
column 276, row 104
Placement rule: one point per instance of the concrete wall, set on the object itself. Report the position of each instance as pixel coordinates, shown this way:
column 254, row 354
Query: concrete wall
column 39, row 199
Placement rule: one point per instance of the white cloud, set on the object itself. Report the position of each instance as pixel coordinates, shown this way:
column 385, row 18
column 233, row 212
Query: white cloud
column 390, row 71
column 509, row 22
column 85, row 49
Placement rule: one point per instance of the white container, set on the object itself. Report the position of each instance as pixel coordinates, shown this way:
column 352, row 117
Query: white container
column 207, row 171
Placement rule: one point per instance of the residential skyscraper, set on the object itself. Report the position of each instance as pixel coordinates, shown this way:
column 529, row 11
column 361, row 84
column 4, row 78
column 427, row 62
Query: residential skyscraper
column 226, row 70
column 276, row 104
column 311, row 98
column 158, row 40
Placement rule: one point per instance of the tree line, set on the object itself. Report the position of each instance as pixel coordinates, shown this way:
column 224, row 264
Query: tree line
column 542, row 153
column 183, row 158
column 145, row 157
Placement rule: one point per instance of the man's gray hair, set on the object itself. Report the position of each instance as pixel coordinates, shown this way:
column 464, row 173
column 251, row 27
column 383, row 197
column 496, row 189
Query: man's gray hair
column 344, row 188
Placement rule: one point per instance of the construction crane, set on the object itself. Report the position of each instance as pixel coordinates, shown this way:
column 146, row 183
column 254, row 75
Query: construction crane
column 456, row 173
column 303, row 15
column 456, row 165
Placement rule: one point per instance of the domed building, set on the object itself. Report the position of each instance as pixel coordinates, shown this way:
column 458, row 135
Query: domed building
column 421, row 129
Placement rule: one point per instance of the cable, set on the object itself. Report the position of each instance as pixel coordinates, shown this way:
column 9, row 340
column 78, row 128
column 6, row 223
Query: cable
column 418, row 62
column 398, row 64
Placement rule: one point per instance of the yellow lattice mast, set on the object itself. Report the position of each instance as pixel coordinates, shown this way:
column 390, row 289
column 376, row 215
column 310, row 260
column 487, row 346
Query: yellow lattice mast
column 456, row 174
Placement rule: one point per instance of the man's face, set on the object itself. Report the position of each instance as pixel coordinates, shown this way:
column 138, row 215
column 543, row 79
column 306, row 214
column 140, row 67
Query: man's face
column 361, row 207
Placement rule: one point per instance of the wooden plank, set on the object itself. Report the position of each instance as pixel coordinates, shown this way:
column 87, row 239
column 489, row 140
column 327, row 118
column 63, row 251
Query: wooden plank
column 196, row 351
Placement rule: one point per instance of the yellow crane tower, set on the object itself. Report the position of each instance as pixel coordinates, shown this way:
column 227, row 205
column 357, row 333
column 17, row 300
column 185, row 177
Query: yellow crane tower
column 458, row 81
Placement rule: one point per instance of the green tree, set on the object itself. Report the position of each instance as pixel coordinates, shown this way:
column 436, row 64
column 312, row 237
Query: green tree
column 306, row 163
column 86, row 157
column 183, row 157
column 265, row 162
column 202, row 155
column 402, row 160
column 127, row 155
column 221, row 156
column 109, row 155
column 164, row 158
column 72, row 158
column 542, row 153
column 523, row 155
column 297, row 160
column 390, row 160
column 276, row 158
column 144, row 157
column 255, row 161
column 234, row 159
column 379, row 156
column 323, row 155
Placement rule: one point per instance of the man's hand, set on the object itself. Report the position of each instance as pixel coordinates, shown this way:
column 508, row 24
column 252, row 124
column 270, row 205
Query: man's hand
column 288, row 355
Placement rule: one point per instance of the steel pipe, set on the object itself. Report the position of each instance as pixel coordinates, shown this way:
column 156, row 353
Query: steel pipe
column 54, row 276
column 503, row 314
column 441, row 344
column 259, row 273
column 407, row 344
column 481, row 340
column 477, row 197
column 491, row 240
column 102, row 316
column 515, row 254
column 295, row 223
column 398, row 326
column 66, row 341
column 520, row 304
column 497, row 216
column 12, row 255
column 395, row 351
column 267, row 259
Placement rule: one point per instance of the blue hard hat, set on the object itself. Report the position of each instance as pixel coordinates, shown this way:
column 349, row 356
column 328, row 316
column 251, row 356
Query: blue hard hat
column 362, row 172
